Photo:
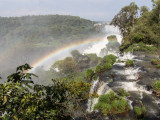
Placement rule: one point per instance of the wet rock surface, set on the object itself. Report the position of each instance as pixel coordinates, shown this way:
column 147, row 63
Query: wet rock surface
column 137, row 80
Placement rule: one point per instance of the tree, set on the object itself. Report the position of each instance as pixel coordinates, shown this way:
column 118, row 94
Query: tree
column 125, row 19
column 68, row 65
column 81, row 60
column 143, row 9
column 89, row 74
column 76, row 55
column 58, row 101
column 156, row 5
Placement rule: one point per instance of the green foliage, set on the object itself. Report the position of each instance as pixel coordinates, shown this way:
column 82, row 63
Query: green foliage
column 112, row 38
column 105, row 64
column 94, row 59
column 76, row 67
column 99, row 69
column 85, row 61
column 126, row 18
column 89, row 74
column 59, row 100
column 137, row 111
column 144, row 109
column 140, row 112
column 145, row 29
column 123, row 93
column 141, row 47
column 129, row 63
column 155, row 61
column 143, row 10
column 156, row 85
column 111, row 104
column 68, row 65
column 119, row 61
column 138, row 37
column 22, row 77
column 109, row 59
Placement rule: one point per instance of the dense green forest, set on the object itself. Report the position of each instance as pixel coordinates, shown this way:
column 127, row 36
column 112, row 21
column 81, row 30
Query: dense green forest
column 47, row 30
column 139, row 26
column 30, row 38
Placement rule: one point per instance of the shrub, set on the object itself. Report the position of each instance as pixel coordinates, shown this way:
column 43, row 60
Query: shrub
column 119, row 61
column 137, row 111
column 107, row 66
column 106, row 63
column 89, row 74
column 138, row 37
column 141, row 47
column 140, row 111
column 112, row 38
column 129, row 63
column 144, row 109
column 99, row 69
column 122, row 92
column 155, row 61
column 112, row 104
column 158, row 66
column 109, row 59
column 102, row 68
column 156, row 85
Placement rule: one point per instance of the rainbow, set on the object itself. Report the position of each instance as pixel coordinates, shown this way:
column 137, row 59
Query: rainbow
column 64, row 48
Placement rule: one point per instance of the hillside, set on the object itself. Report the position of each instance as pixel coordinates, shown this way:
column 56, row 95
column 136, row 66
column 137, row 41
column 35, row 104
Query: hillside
column 28, row 38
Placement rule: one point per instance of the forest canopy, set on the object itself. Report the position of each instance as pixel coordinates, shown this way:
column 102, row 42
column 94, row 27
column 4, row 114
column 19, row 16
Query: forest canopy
column 139, row 29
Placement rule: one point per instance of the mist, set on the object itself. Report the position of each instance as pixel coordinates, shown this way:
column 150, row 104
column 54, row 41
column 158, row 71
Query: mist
column 28, row 39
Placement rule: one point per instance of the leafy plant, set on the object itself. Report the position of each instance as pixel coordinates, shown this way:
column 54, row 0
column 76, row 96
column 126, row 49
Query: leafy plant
column 109, row 59
column 112, row 38
column 111, row 104
column 122, row 92
column 129, row 63
column 156, row 85
column 89, row 74
column 140, row 112
column 59, row 100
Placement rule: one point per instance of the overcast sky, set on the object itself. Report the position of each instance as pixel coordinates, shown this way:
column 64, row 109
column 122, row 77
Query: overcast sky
column 99, row 10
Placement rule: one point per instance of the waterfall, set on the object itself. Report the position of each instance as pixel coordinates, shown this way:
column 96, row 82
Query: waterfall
column 124, row 77
column 89, row 105
column 103, row 89
column 99, row 46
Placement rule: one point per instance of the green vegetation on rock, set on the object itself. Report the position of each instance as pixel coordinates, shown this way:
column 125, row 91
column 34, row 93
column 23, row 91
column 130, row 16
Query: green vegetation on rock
column 89, row 74
column 123, row 93
column 140, row 47
column 156, row 62
column 112, row 38
column 106, row 63
column 111, row 104
column 129, row 63
column 156, row 85
column 140, row 112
